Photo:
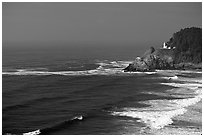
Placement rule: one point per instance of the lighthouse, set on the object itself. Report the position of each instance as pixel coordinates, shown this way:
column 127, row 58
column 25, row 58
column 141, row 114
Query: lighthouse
column 164, row 46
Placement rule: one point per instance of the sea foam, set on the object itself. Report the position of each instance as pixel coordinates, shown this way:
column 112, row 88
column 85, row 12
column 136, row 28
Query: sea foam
column 153, row 119
column 36, row 132
column 160, row 113
column 104, row 68
column 171, row 78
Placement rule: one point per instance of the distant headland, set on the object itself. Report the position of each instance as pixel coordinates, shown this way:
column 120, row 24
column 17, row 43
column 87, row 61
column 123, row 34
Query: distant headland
column 182, row 51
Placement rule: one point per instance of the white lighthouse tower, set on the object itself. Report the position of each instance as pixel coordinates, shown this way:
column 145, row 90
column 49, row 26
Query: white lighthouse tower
column 164, row 46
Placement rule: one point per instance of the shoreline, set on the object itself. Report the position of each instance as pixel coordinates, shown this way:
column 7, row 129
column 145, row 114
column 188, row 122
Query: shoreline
column 190, row 123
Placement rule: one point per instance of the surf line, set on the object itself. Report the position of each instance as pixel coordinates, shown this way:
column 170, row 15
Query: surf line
column 56, row 127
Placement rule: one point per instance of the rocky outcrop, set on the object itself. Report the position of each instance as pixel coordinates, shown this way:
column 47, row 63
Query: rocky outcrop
column 153, row 59
column 138, row 65
column 148, row 52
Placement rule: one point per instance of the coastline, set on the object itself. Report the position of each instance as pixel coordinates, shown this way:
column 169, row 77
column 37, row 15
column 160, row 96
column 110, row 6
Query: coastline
column 190, row 123
column 188, row 66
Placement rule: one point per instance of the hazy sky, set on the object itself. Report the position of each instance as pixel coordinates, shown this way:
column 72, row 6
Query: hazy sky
column 114, row 23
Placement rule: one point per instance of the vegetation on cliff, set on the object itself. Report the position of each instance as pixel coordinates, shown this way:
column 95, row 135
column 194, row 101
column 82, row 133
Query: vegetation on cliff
column 188, row 45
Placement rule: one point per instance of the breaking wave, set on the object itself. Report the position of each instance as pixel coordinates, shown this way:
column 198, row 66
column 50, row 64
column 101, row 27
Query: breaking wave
column 152, row 118
column 160, row 113
column 104, row 68
column 119, row 64
column 98, row 71
column 178, row 71
column 54, row 128
column 171, row 78
column 36, row 132
column 184, row 85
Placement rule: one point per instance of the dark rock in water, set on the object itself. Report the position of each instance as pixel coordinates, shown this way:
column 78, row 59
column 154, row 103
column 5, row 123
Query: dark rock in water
column 140, row 65
column 153, row 59
column 130, row 68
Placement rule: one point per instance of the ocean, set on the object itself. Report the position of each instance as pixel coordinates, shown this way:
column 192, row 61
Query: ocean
column 75, row 92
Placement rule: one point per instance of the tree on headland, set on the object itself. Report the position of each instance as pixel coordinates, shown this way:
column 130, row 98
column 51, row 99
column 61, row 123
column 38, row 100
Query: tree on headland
column 188, row 45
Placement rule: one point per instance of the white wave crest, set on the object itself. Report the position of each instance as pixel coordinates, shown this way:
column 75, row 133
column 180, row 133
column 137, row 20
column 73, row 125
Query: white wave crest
column 150, row 73
column 120, row 64
column 184, row 79
column 78, row 117
column 98, row 71
column 104, row 68
column 140, row 72
column 171, row 78
column 179, row 71
column 194, row 80
column 187, row 102
column 184, row 85
column 160, row 113
column 36, row 132
column 153, row 119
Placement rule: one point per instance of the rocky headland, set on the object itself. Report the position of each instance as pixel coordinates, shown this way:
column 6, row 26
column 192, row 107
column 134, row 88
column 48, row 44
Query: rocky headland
column 182, row 51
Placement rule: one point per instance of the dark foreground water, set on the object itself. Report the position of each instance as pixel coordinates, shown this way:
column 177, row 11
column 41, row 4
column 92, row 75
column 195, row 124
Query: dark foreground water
column 92, row 96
